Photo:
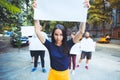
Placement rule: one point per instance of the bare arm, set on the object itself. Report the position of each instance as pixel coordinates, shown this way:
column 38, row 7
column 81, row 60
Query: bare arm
column 81, row 31
column 38, row 28
column 82, row 26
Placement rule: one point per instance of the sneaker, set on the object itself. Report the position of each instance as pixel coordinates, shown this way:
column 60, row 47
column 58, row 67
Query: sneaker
column 73, row 72
column 86, row 67
column 44, row 70
column 34, row 69
column 78, row 66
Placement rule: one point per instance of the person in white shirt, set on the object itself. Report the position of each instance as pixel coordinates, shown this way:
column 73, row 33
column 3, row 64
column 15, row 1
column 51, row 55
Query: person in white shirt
column 72, row 56
column 87, row 46
column 37, row 49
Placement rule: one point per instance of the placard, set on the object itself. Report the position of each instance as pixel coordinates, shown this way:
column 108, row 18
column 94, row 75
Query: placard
column 61, row 10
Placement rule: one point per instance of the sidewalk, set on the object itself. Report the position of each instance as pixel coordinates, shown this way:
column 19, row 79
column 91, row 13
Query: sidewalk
column 4, row 41
column 15, row 65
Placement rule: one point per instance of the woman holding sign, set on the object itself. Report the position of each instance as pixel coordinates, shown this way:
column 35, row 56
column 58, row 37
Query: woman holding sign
column 59, row 48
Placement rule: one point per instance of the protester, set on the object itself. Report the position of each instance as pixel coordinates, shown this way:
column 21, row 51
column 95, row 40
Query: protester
column 59, row 48
column 87, row 47
column 37, row 49
column 73, row 52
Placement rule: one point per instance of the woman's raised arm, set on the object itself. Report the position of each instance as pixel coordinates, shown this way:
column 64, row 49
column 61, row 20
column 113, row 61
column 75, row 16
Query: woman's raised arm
column 81, row 31
column 38, row 29
column 82, row 26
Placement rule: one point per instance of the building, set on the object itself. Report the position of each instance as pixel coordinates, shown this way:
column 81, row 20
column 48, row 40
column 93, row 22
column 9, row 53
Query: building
column 116, row 29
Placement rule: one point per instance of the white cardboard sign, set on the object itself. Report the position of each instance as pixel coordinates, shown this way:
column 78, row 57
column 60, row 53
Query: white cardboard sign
column 61, row 10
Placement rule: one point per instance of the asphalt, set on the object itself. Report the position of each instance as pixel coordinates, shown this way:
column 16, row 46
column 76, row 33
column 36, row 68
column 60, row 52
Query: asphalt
column 15, row 64
column 4, row 42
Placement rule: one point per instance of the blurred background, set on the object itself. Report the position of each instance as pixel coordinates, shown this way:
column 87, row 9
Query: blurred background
column 103, row 20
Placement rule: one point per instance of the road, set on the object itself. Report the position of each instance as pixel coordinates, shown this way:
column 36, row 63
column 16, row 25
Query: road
column 15, row 64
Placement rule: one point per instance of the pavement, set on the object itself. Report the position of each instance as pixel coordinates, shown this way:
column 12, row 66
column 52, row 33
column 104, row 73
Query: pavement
column 15, row 64
column 4, row 41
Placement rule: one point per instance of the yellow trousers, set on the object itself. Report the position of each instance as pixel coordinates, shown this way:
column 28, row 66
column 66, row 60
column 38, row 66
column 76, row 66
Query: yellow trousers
column 58, row 75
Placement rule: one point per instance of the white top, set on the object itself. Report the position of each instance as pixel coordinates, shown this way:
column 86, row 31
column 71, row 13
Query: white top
column 75, row 49
column 35, row 43
column 88, row 45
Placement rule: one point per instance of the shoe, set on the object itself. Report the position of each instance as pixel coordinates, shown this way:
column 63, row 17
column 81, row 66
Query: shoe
column 78, row 66
column 34, row 69
column 86, row 67
column 44, row 70
column 73, row 72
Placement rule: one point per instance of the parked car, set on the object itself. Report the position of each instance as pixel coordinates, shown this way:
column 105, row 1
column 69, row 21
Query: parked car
column 23, row 41
column 103, row 40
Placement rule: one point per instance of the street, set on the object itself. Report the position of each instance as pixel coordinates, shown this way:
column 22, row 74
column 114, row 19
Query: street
column 92, row 22
column 15, row 64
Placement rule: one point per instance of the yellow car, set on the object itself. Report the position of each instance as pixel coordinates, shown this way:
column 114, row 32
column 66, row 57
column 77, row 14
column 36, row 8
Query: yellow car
column 103, row 40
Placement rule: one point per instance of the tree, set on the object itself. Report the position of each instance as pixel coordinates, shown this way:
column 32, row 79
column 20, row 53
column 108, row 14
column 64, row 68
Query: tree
column 7, row 13
column 99, row 13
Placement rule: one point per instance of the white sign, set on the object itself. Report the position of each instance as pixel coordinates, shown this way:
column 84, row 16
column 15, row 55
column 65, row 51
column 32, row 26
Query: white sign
column 27, row 30
column 76, row 49
column 61, row 10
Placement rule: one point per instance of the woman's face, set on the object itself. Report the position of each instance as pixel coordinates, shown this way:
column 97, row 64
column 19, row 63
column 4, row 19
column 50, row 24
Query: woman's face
column 58, row 36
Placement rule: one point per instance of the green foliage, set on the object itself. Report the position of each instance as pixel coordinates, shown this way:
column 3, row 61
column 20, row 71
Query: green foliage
column 8, row 15
column 99, row 13
column 51, row 24
column 16, row 35
column 115, row 3
column 9, row 7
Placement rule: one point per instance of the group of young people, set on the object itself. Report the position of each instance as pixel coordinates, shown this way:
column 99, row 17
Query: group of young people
column 59, row 48
column 85, row 47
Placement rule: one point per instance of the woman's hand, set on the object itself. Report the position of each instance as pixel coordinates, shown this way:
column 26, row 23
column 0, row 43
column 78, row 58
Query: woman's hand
column 87, row 3
column 34, row 5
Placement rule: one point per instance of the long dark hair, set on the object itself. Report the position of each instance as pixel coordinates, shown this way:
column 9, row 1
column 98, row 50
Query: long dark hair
column 63, row 29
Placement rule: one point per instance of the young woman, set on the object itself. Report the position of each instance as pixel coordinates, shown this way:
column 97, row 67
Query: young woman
column 72, row 56
column 59, row 48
